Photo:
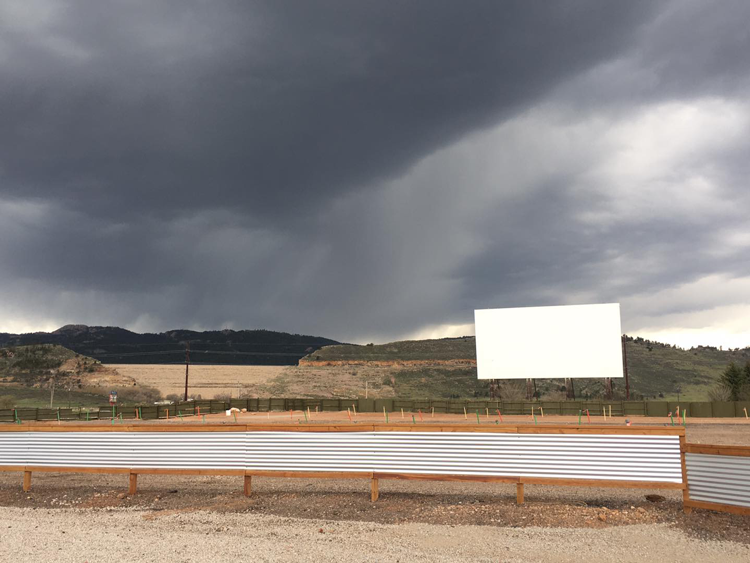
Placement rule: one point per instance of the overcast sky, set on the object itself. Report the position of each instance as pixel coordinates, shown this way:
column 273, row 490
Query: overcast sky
column 369, row 171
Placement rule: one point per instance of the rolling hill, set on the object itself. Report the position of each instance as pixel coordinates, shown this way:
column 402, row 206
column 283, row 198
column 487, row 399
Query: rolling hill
column 447, row 367
column 28, row 373
column 119, row 346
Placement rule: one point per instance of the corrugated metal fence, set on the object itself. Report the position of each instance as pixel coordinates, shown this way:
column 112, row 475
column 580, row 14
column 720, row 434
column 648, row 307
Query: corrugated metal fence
column 520, row 454
column 648, row 458
column 713, row 477
column 718, row 477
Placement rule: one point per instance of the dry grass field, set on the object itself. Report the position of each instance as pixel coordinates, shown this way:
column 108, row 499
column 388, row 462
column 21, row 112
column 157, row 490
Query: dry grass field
column 205, row 380
column 264, row 381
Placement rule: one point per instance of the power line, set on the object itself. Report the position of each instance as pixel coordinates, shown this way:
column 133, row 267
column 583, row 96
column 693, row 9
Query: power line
column 227, row 352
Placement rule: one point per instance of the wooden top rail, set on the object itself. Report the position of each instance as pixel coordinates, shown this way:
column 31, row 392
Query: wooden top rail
column 499, row 428
column 741, row 451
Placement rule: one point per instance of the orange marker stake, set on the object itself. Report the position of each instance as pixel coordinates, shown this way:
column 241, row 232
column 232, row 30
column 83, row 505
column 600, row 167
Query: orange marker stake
column 199, row 410
column 291, row 414
column 500, row 415
column 588, row 416
column 349, row 414
column 420, row 416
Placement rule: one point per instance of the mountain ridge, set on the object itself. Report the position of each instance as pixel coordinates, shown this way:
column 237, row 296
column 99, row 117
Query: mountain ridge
column 111, row 344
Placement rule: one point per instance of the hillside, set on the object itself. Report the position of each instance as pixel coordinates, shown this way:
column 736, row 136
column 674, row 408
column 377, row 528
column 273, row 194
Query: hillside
column 427, row 368
column 27, row 374
column 443, row 349
column 119, row 346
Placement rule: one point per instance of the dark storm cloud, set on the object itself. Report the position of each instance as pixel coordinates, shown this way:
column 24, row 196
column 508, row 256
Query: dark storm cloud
column 275, row 106
column 304, row 165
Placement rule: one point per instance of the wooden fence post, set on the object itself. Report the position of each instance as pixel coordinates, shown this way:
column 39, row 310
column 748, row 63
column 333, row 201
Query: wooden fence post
column 685, row 491
column 26, row 481
column 248, row 485
column 374, row 490
column 133, row 484
column 519, row 493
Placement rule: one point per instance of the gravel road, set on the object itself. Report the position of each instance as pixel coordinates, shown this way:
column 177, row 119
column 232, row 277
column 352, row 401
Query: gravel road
column 134, row 535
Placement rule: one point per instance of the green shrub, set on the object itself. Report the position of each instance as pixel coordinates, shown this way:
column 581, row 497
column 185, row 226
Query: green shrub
column 136, row 395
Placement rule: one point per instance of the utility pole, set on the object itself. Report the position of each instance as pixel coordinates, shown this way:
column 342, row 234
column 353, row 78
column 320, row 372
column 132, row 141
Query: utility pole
column 187, row 367
column 625, row 368
column 570, row 392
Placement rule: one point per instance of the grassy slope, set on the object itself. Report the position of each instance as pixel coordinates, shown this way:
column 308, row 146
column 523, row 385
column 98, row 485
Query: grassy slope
column 672, row 371
column 35, row 397
column 33, row 360
column 32, row 364
column 442, row 349
column 654, row 369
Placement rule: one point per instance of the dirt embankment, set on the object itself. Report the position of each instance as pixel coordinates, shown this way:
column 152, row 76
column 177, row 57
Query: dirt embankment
column 388, row 363
column 94, row 374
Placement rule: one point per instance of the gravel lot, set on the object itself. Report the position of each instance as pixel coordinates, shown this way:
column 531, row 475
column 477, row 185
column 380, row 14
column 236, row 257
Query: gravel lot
column 77, row 536
column 72, row 517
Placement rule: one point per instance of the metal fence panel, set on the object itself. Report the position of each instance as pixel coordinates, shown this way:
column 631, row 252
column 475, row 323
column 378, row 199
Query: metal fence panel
column 566, row 456
column 647, row 458
column 721, row 479
column 170, row 450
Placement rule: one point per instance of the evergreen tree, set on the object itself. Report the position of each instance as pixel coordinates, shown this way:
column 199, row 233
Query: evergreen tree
column 735, row 380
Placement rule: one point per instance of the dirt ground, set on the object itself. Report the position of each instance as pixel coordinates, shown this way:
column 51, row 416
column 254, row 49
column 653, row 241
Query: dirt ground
column 263, row 381
column 725, row 431
column 401, row 502
column 205, row 380
column 75, row 535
